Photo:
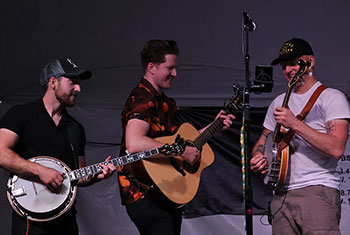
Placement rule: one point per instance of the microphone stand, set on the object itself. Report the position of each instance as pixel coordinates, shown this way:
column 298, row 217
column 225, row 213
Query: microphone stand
column 248, row 194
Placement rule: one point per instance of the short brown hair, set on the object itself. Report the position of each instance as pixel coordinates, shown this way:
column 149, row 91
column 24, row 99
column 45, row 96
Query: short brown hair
column 155, row 51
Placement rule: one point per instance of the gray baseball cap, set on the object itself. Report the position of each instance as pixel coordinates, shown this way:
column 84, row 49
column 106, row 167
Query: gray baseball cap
column 63, row 67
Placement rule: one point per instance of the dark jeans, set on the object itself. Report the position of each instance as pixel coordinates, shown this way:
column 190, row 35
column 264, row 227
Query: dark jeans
column 65, row 224
column 152, row 219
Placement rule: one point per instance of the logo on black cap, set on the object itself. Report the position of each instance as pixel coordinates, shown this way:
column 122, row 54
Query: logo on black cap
column 72, row 63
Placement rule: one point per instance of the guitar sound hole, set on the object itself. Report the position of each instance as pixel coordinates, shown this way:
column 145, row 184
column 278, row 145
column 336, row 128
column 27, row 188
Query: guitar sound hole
column 191, row 168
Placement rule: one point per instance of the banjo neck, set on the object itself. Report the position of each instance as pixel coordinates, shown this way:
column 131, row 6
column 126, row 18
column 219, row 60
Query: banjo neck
column 119, row 161
column 277, row 135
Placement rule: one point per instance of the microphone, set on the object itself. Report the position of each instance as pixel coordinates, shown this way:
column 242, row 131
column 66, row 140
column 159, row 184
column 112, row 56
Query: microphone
column 248, row 23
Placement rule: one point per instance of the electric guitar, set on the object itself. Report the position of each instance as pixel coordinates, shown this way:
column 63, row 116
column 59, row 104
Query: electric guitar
column 34, row 201
column 277, row 144
column 175, row 178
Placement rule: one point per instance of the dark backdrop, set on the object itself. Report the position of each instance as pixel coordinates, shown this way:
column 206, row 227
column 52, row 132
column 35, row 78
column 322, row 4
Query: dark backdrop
column 107, row 36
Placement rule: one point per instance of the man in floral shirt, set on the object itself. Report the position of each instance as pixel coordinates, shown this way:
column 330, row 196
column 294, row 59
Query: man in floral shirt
column 148, row 113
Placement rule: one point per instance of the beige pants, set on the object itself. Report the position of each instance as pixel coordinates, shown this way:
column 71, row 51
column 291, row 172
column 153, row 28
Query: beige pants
column 310, row 210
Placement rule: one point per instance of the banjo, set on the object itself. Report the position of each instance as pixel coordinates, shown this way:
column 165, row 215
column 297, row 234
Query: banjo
column 277, row 144
column 35, row 202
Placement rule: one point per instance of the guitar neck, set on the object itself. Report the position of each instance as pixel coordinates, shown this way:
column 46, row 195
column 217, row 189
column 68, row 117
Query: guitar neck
column 119, row 161
column 208, row 133
column 217, row 124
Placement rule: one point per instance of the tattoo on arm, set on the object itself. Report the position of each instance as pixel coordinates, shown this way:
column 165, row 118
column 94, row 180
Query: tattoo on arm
column 265, row 134
column 330, row 126
column 261, row 149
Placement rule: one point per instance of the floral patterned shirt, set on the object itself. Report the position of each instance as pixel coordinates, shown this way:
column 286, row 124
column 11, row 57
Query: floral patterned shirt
column 146, row 104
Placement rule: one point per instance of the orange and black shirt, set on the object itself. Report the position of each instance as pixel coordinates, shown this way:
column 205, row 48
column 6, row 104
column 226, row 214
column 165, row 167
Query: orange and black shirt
column 146, row 104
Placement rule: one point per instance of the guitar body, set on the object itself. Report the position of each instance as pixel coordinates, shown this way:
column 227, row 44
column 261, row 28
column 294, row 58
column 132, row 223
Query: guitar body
column 34, row 201
column 278, row 161
column 160, row 171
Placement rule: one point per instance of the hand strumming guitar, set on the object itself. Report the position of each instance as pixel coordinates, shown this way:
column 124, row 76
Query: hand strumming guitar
column 191, row 155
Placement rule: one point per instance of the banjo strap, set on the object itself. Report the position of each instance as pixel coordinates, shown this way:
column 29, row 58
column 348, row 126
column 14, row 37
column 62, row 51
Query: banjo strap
column 74, row 137
column 289, row 135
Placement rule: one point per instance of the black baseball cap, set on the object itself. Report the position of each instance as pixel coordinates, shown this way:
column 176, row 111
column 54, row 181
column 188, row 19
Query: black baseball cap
column 293, row 49
column 63, row 67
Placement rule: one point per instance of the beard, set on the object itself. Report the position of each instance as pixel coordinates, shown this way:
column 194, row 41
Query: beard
column 67, row 100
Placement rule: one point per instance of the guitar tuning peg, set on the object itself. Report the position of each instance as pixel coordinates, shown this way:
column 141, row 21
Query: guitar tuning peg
column 127, row 152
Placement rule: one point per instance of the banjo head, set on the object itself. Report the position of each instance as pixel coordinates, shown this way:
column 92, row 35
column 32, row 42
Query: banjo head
column 34, row 200
column 269, row 156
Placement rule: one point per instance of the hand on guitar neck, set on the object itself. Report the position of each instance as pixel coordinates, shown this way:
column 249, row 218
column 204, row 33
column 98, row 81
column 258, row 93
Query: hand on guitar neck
column 223, row 119
column 192, row 154
column 226, row 119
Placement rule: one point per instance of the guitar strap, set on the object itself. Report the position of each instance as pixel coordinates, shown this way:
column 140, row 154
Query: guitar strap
column 74, row 136
column 289, row 135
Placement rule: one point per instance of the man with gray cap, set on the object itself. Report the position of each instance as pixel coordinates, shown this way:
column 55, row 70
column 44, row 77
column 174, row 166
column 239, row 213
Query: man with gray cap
column 44, row 128
column 308, row 201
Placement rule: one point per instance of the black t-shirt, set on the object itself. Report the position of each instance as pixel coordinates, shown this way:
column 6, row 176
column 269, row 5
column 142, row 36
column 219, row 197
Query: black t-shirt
column 39, row 136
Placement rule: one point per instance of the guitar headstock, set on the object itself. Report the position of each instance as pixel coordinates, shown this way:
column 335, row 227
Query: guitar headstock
column 236, row 102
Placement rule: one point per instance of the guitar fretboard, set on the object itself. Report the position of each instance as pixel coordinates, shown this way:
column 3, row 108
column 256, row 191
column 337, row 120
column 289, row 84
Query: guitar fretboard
column 119, row 161
column 217, row 124
column 208, row 133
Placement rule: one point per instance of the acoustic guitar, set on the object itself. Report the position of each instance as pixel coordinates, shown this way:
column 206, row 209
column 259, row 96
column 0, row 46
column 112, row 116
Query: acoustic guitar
column 175, row 178
column 277, row 149
column 34, row 201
